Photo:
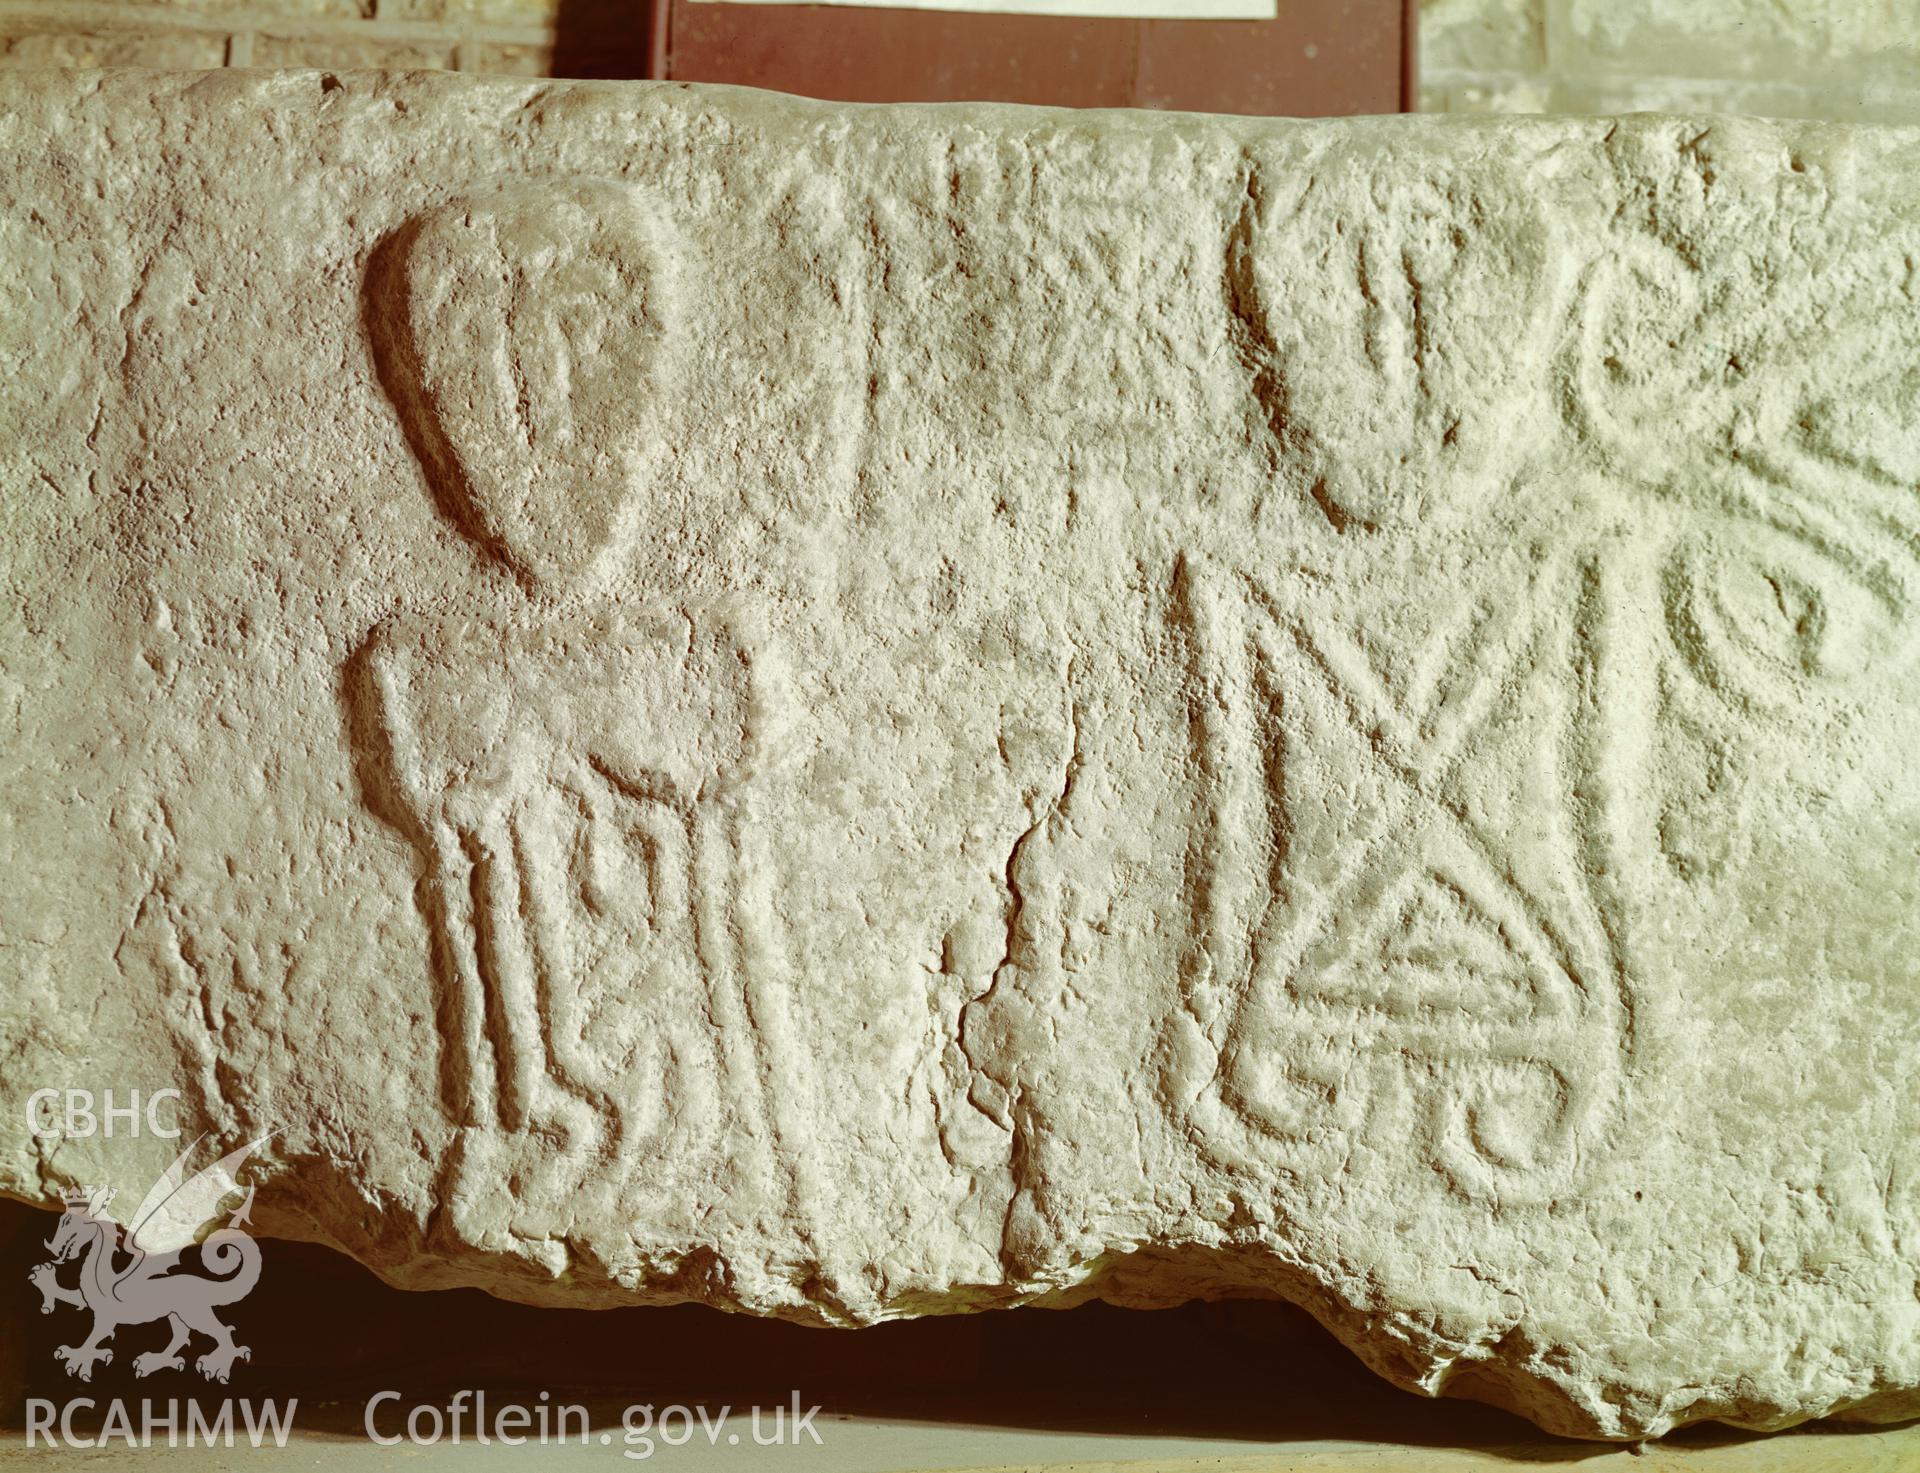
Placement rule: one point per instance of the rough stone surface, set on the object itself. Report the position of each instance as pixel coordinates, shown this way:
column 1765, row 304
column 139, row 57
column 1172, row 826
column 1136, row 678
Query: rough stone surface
column 866, row 712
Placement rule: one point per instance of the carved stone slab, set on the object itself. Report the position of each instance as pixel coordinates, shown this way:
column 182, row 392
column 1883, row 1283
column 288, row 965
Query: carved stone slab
column 860, row 712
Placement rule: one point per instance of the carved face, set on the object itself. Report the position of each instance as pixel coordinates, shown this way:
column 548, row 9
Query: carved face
column 1403, row 308
column 524, row 332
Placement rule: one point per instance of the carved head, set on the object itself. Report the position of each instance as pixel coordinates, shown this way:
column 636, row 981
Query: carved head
column 521, row 332
column 1405, row 308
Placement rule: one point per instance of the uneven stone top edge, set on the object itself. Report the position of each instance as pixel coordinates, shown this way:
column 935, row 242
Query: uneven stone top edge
column 236, row 83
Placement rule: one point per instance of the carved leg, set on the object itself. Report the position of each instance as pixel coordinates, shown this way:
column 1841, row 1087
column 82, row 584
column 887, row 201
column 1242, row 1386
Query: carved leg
column 551, row 1132
column 506, row 971
column 747, row 981
column 632, row 889
column 471, row 1087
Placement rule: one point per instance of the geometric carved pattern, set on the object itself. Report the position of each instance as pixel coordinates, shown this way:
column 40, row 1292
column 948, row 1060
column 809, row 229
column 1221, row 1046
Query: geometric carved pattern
column 569, row 766
column 1410, row 971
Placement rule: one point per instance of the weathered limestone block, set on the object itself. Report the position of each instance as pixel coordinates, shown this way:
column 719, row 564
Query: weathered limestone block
column 866, row 712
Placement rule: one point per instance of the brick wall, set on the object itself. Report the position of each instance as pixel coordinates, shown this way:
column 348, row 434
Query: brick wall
column 1855, row 60
column 470, row 35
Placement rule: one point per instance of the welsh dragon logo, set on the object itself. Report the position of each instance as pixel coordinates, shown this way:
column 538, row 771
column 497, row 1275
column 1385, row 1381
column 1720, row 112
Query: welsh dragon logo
column 157, row 1269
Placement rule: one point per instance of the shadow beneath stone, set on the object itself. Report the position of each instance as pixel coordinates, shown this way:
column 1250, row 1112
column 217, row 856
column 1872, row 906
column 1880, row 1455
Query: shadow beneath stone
column 323, row 1329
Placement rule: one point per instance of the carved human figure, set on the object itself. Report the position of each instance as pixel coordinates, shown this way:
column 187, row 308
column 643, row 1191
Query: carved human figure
column 1370, row 952
column 1438, row 824
column 570, row 767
